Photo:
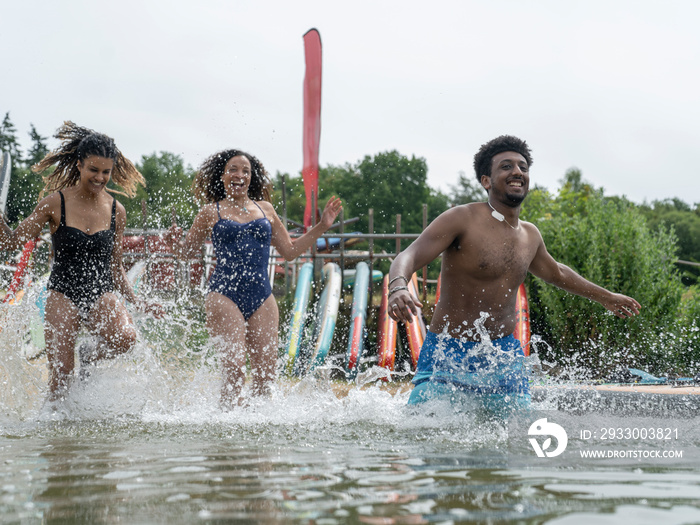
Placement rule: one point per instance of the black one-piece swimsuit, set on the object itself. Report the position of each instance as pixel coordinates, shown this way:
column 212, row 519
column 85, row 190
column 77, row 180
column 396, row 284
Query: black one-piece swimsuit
column 82, row 265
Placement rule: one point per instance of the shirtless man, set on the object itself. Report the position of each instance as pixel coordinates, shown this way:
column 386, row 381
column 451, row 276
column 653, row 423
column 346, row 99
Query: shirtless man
column 486, row 254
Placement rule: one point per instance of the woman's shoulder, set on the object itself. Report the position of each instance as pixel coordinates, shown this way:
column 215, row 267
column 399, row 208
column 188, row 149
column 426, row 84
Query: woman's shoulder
column 209, row 209
column 266, row 207
column 54, row 197
column 112, row 200
column 208, row 213
column 50, row 202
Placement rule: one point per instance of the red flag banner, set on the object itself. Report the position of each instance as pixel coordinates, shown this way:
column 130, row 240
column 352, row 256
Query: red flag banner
column 312, row 120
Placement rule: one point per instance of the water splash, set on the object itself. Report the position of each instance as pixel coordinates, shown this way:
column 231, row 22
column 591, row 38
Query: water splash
column 22, row 383
column 172, row 376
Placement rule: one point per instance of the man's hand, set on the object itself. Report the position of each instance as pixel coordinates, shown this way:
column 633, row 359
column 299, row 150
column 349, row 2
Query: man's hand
column 621, row 305
column 403, row 306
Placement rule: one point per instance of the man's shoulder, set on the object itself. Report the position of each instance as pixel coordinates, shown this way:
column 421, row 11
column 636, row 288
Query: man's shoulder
column 464, row 214
column 530, row 227
column 456, row 220
column 462, row 210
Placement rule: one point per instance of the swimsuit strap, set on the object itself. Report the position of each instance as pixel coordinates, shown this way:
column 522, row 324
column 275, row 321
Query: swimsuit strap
column 113, row 224
column 218, row 211
column 264, row 216
column 63, row 210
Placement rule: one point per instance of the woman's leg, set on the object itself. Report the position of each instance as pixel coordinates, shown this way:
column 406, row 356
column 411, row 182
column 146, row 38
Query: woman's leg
column 61, row 327
column 110, row 321
column 262, row 343
column 227, row 329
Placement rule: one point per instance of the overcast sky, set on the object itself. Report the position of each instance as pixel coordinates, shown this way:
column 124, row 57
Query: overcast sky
column 611, row 87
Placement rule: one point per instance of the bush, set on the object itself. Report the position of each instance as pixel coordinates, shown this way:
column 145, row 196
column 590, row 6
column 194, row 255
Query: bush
column 607, row 241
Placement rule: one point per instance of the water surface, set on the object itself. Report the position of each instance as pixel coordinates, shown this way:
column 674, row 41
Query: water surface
column 143, row 440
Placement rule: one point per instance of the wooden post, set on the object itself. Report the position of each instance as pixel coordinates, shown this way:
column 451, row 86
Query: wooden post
column 398, row 232
column 146, row 250
column 342, row 244
column 144, row 213
column 313, row 247
column 371, row 256
column 370, row 215
column 287, row 284
column 177, row 267
column 425, row 268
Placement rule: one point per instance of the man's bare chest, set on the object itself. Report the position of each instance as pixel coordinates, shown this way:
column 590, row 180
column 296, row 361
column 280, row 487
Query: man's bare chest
column 490, row 258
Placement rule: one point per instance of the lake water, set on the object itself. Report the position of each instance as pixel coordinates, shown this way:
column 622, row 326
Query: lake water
column 143, row 440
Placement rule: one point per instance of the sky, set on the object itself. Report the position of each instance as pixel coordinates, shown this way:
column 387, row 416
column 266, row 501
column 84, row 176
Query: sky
column 609, row 87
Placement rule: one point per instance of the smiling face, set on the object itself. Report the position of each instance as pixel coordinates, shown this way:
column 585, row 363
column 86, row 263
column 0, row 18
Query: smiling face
column 236, row 177
column 95, row 173
column 510, row 177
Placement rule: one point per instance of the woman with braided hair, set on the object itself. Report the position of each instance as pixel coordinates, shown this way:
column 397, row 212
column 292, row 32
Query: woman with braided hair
column 87, row 225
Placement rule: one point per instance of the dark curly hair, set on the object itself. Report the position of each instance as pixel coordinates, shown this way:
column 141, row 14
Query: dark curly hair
column 483, row 157
column 77, row 144
column 209, row 187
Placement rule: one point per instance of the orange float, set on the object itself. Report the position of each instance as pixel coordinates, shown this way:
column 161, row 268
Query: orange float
column 386, row 335
column 522, row 319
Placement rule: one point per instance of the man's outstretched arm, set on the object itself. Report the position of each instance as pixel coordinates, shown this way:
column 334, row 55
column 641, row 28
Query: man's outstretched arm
column 546, row 268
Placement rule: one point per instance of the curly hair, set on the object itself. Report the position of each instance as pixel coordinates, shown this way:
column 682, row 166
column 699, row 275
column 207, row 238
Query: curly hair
column 209, row 187
column 77, row 144
column 483, row 157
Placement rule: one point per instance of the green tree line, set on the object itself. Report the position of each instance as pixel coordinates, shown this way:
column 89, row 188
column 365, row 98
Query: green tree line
column 628, row 248
column 611, row 242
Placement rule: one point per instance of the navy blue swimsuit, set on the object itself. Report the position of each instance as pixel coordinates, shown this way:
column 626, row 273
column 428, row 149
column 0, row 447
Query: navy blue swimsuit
column 242, row 253
column 82, row 264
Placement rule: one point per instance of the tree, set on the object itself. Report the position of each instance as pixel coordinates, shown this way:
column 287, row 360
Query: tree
column 39, row 148
column 466, row 190
column 25, row 185
column 8, row 139
column 573, row 182
column 294, row 195
column 685, row 224
column 168, row 185
column 608, row 241
column 390, row 184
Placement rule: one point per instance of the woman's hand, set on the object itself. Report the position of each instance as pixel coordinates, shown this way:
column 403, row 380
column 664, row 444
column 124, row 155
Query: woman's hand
column 331, row 211
column 173, row 236
column 154, row 309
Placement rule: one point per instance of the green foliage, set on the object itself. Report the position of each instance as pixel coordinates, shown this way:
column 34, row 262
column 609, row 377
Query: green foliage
column 39, row 147
column 625, row 248
column 685, row 223
column 288, row 191
column 8, row 139
column 466, row 190
column 168, row 185
column 23, row 195
column 608, row 242
column 389, row 183
column 25, row 185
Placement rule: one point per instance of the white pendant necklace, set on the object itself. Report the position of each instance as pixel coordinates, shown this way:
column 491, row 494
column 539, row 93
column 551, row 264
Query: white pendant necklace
column 500, row 217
